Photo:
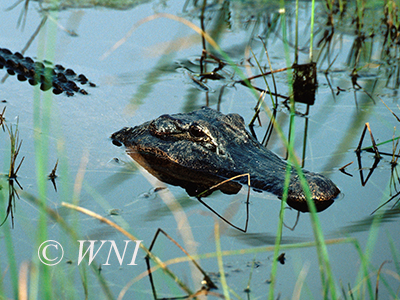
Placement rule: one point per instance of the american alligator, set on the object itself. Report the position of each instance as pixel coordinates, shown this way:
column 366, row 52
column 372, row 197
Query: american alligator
column 58, row 78
column 199, row 149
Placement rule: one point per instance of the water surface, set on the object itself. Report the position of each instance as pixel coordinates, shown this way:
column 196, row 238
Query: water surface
column 150, row 75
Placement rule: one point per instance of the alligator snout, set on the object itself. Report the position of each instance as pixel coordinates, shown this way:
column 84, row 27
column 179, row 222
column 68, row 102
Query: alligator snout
column 323, row 192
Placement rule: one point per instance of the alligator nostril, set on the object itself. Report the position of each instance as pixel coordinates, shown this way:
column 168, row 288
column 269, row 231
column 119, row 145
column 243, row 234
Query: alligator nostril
column 116, row 143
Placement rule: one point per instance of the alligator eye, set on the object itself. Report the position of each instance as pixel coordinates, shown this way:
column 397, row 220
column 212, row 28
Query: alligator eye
column 196, row 131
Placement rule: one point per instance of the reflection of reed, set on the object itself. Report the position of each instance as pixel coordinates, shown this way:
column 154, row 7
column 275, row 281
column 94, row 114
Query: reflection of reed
column 207, row 283
column 365, row 224
column 394, row 176
column 15, row 146
column 2, row 119
column 358, row 152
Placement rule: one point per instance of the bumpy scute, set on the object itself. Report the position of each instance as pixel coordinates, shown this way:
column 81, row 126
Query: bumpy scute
column 57, row 77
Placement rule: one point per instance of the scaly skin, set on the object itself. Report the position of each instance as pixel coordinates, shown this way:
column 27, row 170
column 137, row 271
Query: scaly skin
column 58, row 78
column 200, row 149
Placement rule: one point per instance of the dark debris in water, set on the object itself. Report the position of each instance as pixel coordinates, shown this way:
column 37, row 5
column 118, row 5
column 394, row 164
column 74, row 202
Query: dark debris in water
column 52, row 176
column 305, row 83
column 57, row 77
column 281, row 258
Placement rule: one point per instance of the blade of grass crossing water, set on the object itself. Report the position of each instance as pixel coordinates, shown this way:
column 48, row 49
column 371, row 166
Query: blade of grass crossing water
column 395, row 254
column 369, row 249
column 274, row 267
column 321, row 247
column 319, row 238
column 41, row 123
column 312, row 29
column 33, row 282
column 322, row 251
column 12, row 264
column 296, row 42
column 220, row 262
column 265, row 80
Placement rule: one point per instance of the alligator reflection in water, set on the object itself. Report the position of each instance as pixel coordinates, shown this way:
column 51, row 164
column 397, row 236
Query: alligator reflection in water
column 58, row 78
column 200, row 149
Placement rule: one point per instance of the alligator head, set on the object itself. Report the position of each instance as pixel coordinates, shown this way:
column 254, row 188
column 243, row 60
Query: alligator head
column 200, row 149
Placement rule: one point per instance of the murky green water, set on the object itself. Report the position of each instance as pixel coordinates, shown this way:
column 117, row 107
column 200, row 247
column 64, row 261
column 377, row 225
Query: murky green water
column 152, row 74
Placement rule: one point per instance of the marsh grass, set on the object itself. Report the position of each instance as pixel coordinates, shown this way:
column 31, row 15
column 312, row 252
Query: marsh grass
column 394, row 178
column 15, row 147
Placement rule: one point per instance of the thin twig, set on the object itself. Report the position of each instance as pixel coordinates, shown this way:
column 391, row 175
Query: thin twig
column 215, row 212
column 342, row 169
